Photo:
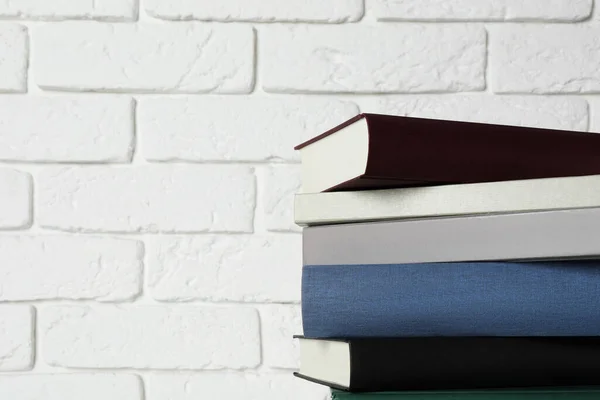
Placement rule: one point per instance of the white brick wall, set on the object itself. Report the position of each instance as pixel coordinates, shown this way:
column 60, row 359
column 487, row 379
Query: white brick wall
column 522, row 57
column 546, row 112
column 278, row 324
column 150, row 337
column 147, row 171
column 233, row 386
column 261, row 268
column 108, row 10
column 483, row 10
column 15, row 199
column 195, row 198
column 16, row 337
column 193, row 58
column 208, row 128
column 74, row 386
column 13, row 53
column 66, row 129
column 282, row 182
column 381, row 59
column 104, row 269
column 331, row 11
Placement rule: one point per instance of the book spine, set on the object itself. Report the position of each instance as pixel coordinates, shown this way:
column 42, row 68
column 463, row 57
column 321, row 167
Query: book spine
column 559, row 298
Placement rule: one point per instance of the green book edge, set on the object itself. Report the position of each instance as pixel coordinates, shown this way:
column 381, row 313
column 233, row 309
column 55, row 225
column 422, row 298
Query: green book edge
column 576, row 393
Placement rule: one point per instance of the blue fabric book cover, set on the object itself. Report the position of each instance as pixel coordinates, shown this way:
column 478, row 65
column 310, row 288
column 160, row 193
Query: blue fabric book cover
column 549, row 298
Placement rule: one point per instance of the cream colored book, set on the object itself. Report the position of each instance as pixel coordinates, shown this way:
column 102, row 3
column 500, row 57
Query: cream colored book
column 529, row 195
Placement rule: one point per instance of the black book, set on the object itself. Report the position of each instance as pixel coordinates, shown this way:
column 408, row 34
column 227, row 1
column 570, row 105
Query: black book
column 446, row 363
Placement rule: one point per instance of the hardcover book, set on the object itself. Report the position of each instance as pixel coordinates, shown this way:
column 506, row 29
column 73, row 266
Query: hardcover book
column 540, row 235
column 450, row 363
column 449, row 200
column 568, row 393
column 544, row 298
column 373, row 151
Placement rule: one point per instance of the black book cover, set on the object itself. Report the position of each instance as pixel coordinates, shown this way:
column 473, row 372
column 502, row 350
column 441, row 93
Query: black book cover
column 438, row 363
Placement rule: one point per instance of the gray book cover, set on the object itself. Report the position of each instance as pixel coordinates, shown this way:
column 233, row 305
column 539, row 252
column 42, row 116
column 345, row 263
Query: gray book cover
column 552, row 234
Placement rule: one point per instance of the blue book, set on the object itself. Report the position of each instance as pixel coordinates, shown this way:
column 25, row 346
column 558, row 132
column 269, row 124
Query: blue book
column 550, row 298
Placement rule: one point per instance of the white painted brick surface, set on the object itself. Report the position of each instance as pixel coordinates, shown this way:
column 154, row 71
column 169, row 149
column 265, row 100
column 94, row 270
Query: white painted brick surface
column 66, row 129
column 545, row 59
column 150, row 337
column 243, row 128
column 258, row 268
column 147, row 199
column 543, row 112
column 282, row 183
column 147, row 170
column 15, row 199
column 386, row 58
column 14, row 51
column 332, row 11
column 594, row 105
column 106, row 10
column 483, row 10
column 16, row 338
column 275, row 386
column 193, row 58
column 69, row 267
column 71, row 386
column 279, row 323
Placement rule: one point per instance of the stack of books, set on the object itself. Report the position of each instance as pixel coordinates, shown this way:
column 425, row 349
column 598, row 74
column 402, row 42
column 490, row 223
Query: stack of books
column 450, row 260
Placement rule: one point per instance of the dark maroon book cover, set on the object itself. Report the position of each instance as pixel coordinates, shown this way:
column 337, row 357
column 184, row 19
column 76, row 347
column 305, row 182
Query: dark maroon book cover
column 406, row 151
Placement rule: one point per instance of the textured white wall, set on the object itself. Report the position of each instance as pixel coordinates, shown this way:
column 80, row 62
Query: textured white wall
column 147, row 249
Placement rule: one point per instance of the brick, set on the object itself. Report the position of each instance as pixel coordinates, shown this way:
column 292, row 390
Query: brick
column 106, row 10
column 190, row 58
column 545, row 59
column 279, row 323
column 543, row 112
column 198, row 198
column 261, row 268
column 15, row 199
column 242, row 128
column 416, row 58
column 482, row 10
column 72, row 386
column 150, row 337
column 14, row 51
column 324, row 11
column 282, row 183
column 248, row 386
column 66, row 129
column 69, row 267
column 594, row 105
column 16, row 339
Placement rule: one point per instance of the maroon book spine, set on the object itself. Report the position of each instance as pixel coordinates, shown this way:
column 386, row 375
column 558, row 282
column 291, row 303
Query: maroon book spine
column 406, row 151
